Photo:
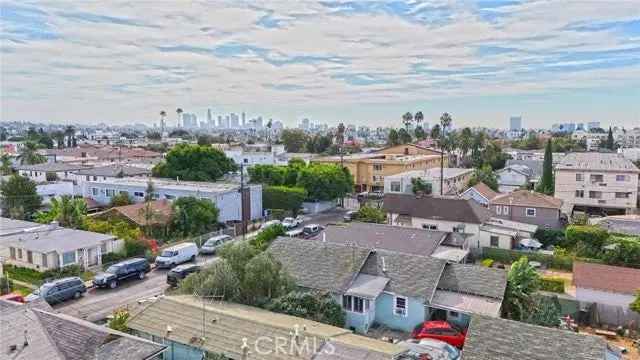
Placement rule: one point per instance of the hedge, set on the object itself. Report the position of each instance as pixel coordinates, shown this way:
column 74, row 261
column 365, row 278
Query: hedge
column 509, row 256
column 589, row 235
column 283, row 197
column 38, row 278
column 552, row 284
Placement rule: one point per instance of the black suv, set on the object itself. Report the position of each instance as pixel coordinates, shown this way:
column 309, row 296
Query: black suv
column 132, row 268
column 180, row 272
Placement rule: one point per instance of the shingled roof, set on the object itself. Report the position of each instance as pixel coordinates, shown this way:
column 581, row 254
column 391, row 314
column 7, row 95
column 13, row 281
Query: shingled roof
column 436, row 208
column 500, row 339
column 527, row 198
column 474, row 280
column 615, row 279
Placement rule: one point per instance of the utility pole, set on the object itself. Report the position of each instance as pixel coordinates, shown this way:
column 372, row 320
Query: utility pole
column 244, row 223
column 441, row 163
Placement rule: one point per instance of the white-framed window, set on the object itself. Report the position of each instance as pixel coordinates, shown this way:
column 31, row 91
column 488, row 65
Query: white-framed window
column 459, row 228
column 19, row 253
column 138, row 194
column 68, row 257
column 596, row 178
column 94, row 191
column 395, row 186
column 45, row 261
column 505, row 210
column 377, row 167
column 579, row 177
column 110, row 192
column 623, row 195
column 595, row 194
column 355, row 304
column 531, row 212
column 499, row 209
column 622, row 178
column 401, row 306
column 12, row 253
column 579, row 193
column 494, row 241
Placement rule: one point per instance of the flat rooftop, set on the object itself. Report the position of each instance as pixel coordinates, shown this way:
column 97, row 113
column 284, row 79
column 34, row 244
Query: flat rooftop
column 594, row 161
column 168, row 184
column 431, row 173
column 374, row 157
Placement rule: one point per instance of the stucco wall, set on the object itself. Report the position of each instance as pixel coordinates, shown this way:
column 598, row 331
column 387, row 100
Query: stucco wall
column 566, row 186
column 484, row 238
column 545, row 217
column 385, row 313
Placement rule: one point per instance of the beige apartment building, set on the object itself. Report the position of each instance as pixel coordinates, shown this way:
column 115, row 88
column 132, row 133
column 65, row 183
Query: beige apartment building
column 369, row 170
column 597, row 183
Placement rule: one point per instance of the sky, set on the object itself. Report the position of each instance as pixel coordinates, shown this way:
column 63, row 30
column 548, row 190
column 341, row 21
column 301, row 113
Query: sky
column 363, row 63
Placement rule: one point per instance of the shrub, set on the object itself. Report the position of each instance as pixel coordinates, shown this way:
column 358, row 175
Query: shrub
column 559, row 262
column 278, row 214
column 120, row 199
column 24, row 274
column 586, row 239
column 372, row 215
column 283, row 197
column 119, row 320
column 487, row 262
column 266, row 236
column 70, row 270
column 625, row 251
column 552, row 284
column 113, row 257
column 6, row 285
column 549, row 236
column 134, row 247
column 310, row 305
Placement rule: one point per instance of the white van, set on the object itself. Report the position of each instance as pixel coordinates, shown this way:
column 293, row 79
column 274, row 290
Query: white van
column 176, row 255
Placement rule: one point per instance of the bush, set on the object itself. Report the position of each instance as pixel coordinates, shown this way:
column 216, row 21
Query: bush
column 587, row 240
column 283, row 197
column 70, row 270
column 310, row 305
column 120, row 199
column 549, row 237
column 625, row 251
column 24, row 274
column 266, row 236
column 113, row 257
column 278, row 214
column 6, row 285
column 487, row 262
column 372, row 215
column 135, row 247
column 559, row 262
column 552, row 284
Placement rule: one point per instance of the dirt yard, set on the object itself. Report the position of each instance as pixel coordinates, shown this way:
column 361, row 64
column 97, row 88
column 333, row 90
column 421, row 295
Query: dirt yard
column 632, row 354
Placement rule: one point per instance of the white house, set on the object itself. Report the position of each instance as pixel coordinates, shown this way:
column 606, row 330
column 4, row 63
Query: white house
column 454, row 180
column 480, row 193
column 225, row 195
column 513, row 177
column 604, row 284
column 47, row 172
column 49, row 246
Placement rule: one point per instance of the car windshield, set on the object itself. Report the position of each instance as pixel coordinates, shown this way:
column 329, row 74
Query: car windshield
column 168, row 253
column 113, row 269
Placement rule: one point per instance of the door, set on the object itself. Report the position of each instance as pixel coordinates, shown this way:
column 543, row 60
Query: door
column 439, row 314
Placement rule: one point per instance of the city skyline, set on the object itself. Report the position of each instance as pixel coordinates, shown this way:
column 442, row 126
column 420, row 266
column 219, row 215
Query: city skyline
column 360, row 63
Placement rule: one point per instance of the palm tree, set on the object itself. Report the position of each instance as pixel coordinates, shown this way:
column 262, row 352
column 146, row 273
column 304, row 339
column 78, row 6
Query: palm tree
column 67, row 211
column 70, row 133
column 419, row 118
column 179, row 112
column 59, row 136
column 29, row 154
column 407, row 119
column 269, row 126
column 445, row 122
column 163, row 115
column 435, row 132
column 466, row 140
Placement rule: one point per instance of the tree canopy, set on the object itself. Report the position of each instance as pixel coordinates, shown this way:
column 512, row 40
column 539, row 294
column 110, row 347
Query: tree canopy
column 193, row 216
column 546, row 184
column 195, row 163
column 67, row 211
column 20, row 200
column 486, row 175
column 283, row 197
column 294, row 140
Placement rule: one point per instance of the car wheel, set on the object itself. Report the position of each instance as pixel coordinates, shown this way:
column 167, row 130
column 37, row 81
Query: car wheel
column 193, row 258
column 113, row 284
column 77, row 295
column 141, row 275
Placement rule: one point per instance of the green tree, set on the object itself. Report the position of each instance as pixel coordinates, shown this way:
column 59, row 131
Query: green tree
column 394, row 138
column 372, row 215
column 419, row 133
column 318, row 144
column 29, row 154
column 435, row 132
column 195, row 163
column 407, row 120
column 635, row 305
column 622, row 251
column 20, row 200
column 154, row 135
column 325, row 181
column 69, row 212
column 418, row 185
column 466, row 141
column 522, row 282
column 119, row 320
column 404, row 136
column 120, row 199
column 238, row 255
column 418, row 118
column 546, row 311
column 45, row 141
column 294, row 140
column 610, row 144
column 486, row 175
column 546, row 184
column 215, row 280
column 283, row 197
column 314, row 306
column 265, row 279
column 59, row 138
column 5, row 165
column 266, row 236
column 193, row 216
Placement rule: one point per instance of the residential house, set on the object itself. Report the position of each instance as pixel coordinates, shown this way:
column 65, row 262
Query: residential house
column 449, row 246
column 480, row 193
column 436, row 213
column 534, row 165
column 193, row 329
column 528, row 207
column 455, row 180
column 505, row 234
column 620, row 224
column 49, row 246
column 225, row 195
column 501, row 339
column 604, row 284
column 257, row 154
column 48, row 172
column 370, row 169
column 34, row 331
column 97, row 155
column 597, row 183
column 109, row 172
column 391, row 289
column 513, row 177
column 159, row 214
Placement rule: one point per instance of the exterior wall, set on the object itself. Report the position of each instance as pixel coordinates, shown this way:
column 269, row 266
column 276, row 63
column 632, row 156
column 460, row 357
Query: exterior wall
column 509, row 180
column 454, row 184
column 229, row 203
column 448, row 226
column 37, row 264
column 545, row 217
column 175, row 350
column 408, row 149
column 56, row 189
column 604, row 297
column 484, row 240
column 476, row 196
column 386, row 316
column 566, row 186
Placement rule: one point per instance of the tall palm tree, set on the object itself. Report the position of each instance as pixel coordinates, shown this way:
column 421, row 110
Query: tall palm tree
column 419, row 118
column 407, row 119
column 29, row 154
column 59, row 136
column 70, row 133
column 179, row 112
column 466, row 140
column 269, row 126
column 445, row 122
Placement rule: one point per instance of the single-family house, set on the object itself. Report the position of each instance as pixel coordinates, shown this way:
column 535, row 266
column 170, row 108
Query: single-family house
column 535, row 166
column 193, row 329
column 514, row 177
column 34, row 331
column 391, row 289
column 605, row 284
column 505, row 234
column 492, row 338
column 528, row 207
column 113, row 171
column 49, row 246
column 449, row 246
column 153, row 213
column 50, row 171
column 480, row 193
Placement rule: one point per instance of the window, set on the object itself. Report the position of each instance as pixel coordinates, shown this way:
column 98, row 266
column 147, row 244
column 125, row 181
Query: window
column 355, row 304
column 579, row 193
column 395, row 186
column 531, row 212
column 595, row 194
column 400, row 307
column 623, row 195
column 169, row 197
column 29, row 257
column 430, row 227
column 12, row 253
column 494, row 241
column 124, row 192
column 505, row 210
column 579, row 177
column 19, row 253
column 138, row 194
column 377, row 167
column 245, row 160
column 103, row 248
column 498, row 209
column 622, row 178
column 45, row 261
column 68, row 257
column 596, row 178
column 110, row 192
column 378, row 178
column 94, row 191
column 87, row 178
column 458, row 228
column 95, row 178
column 454, row 314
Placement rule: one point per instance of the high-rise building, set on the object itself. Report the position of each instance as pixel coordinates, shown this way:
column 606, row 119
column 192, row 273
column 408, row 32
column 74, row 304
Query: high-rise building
column 593, row 125
column 219, row 121
column 209, row 117
column 304, row 124
column 515, row 123
column 234, row 121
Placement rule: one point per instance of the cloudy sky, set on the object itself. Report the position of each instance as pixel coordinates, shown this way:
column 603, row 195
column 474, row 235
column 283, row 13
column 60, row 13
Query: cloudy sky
column 358, row 62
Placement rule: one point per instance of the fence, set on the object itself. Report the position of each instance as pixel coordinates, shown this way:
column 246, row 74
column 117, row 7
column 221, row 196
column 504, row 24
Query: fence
column 601, row 314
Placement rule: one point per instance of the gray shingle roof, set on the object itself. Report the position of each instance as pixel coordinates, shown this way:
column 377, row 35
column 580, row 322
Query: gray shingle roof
column 500, row 339
column 318, row 265
column 474, row 280
column 436, row 208
column 51, row 167
column 409, row 275
column 114, row 171
column 534, row 165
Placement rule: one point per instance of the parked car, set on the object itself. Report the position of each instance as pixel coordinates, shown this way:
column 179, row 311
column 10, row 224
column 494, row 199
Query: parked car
column 433, row 349
column 59, row 290
column 269, row 223
column 440, row 330
column 213, row 244
column 350, row 215
column 290, row 223
column 177, row 255
column 294, row 233
column 311, row 230
column 127, row 269
column 180, row 272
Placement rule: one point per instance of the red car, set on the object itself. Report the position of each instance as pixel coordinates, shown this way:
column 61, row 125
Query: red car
column 440, row 330
column 13, row 297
